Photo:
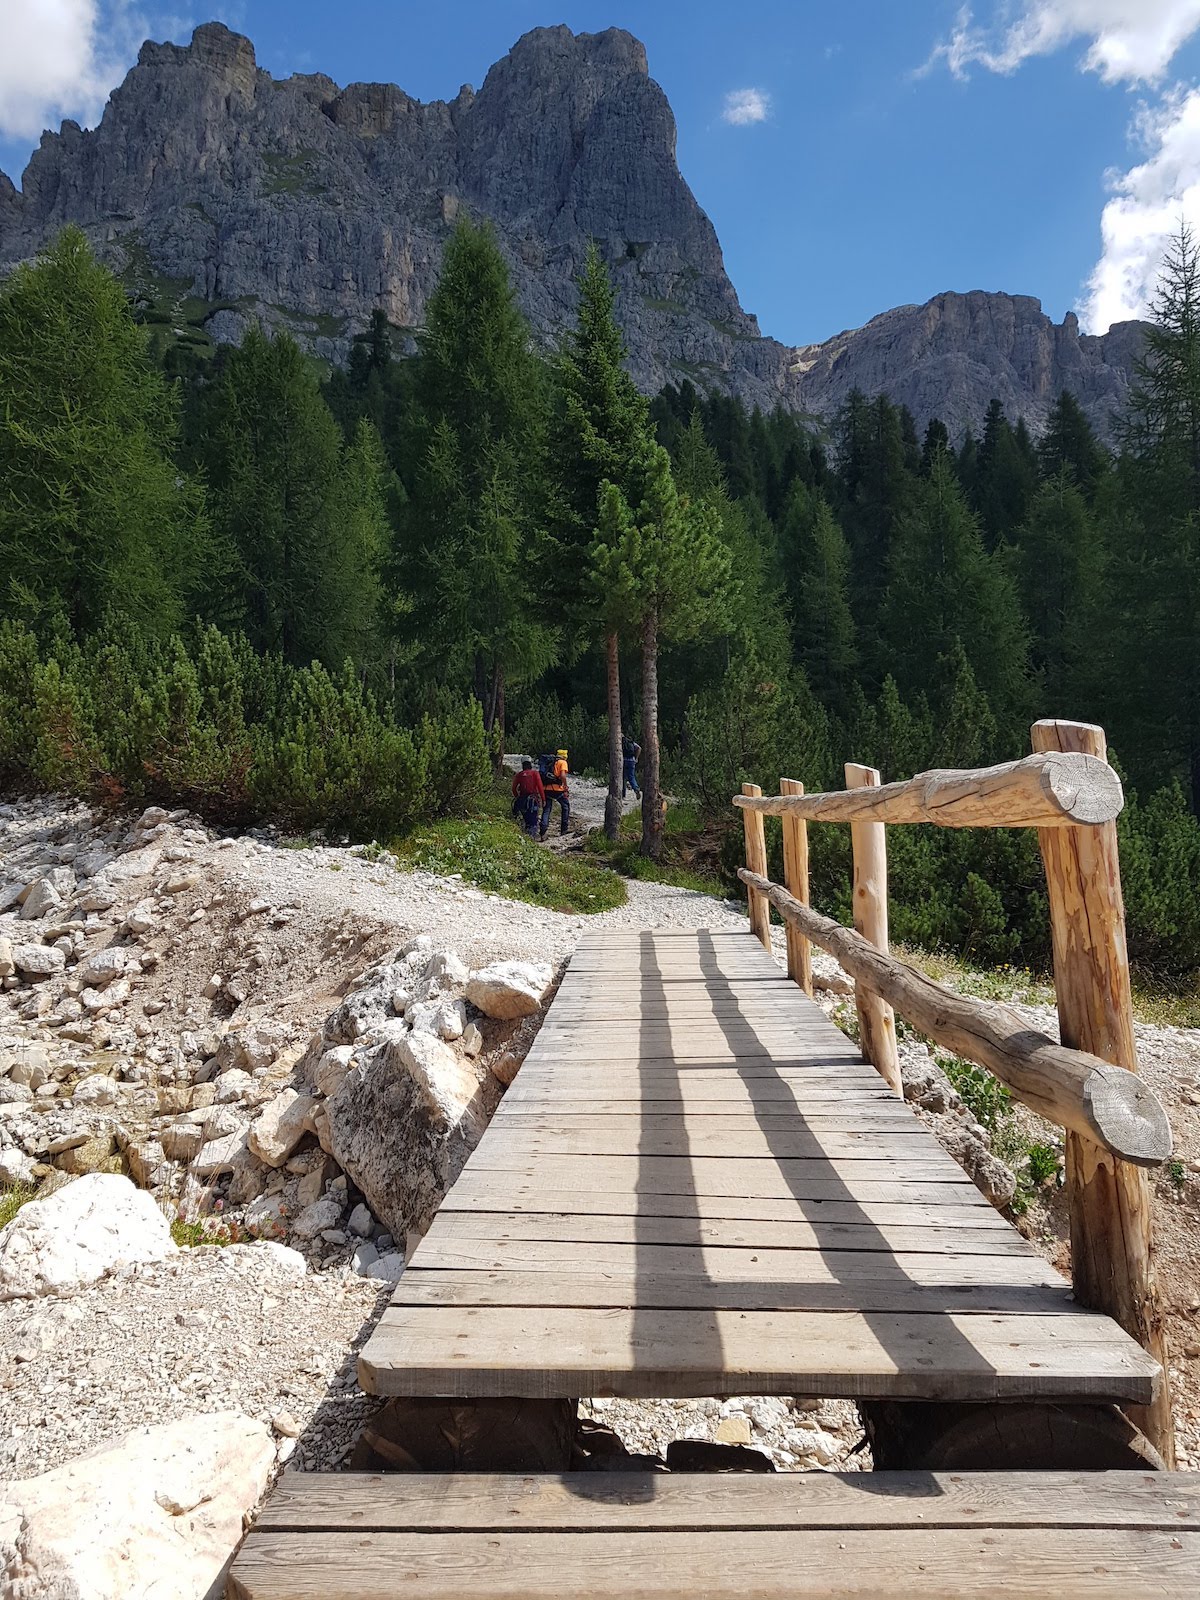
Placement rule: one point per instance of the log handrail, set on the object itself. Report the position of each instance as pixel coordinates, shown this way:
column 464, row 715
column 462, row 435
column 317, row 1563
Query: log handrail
column 1048, row 790
column 1115, row 1125
column 1106, row 1104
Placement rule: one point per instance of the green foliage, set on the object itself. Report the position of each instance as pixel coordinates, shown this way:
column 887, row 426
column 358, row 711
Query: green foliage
column 490, row 852
column 94, row 519
column 301, row 519
column 544, row 724
column 211, row 724
column 12, row 1199
column 985, row 1097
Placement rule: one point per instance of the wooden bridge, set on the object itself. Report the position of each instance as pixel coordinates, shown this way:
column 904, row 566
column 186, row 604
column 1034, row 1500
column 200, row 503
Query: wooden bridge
column 697, row 1186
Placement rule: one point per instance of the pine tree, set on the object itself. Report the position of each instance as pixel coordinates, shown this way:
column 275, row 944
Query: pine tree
column 600, row 433
column 667, row 570
column 95, row 518
column 944, row 591
column 1069, row 444
column 824, row 625
column 1005, row 477
column 297, row 572
column 472, row 516
column 1060, row 564
column 937, row 438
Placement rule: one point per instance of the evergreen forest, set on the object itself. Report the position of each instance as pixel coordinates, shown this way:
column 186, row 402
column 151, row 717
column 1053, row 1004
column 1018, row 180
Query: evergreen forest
column 334, row 599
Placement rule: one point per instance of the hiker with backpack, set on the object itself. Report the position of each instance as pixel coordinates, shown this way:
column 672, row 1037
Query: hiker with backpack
column 528, row 797
column 630, row 751
column 553, row 771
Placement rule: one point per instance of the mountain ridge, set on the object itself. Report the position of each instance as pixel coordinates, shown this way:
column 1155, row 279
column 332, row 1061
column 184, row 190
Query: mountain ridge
column 226, row 197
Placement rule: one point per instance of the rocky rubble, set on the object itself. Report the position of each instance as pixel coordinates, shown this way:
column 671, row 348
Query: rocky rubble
column 226, row 1103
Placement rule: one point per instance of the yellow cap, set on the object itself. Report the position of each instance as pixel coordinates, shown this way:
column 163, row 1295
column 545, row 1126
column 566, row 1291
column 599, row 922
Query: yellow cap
column 563, row 754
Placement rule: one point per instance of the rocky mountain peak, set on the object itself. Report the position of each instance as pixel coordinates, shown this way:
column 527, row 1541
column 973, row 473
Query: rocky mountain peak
column 227, row 197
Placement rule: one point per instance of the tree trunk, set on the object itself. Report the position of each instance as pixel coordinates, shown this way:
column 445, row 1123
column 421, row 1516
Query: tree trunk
column 652, row 821
column 500, row 715
column 612, row 803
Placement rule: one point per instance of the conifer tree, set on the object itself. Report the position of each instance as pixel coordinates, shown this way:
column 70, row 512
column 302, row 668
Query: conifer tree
column 666, row 569
column 1069, row 444
column 1005, row 477
column 824, row 625
column 95, row 518
column 943, row 588
column 300, row 526
column 600, row 433
column 1060, row 564
column 472, row 517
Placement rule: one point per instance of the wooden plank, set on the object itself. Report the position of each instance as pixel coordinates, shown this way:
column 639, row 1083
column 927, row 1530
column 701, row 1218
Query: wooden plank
column 492, row 1350
column 682, row 1135
column 721, row 1264
column 632, row 1502
column 996, row 1238
column 535, row 1109
column 535, row 1290
column 962, row 1207
column 800, row 1179
column 953, row 1564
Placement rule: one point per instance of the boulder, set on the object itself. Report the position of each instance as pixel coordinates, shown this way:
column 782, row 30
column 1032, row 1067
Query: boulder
column 42, row 898
column 15, row 1168
column 280, row 1126
column 254, row 1046
column 389, row 1267
column 102, row 966
column 509, row 989
column 160, row 1512
column 147, row 1162
column 94, row 1154
column 332, row 1068
column 316, row 1218
column 29, row 1065
column 444, row 1018
column 99, row 895
column 141, row 919
column 79, row 1235
column 7, row 964
column 38, row 960
column 402, row 1124
column 98, row 1089
column 219, row 1155
column 234, row 1085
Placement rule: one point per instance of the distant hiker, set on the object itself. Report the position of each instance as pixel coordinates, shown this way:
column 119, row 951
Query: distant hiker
column 528, row 797
column 630, row 751
column 554, row 782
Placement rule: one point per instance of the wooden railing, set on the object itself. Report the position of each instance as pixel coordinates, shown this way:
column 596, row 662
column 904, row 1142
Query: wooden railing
column 1115, row 1127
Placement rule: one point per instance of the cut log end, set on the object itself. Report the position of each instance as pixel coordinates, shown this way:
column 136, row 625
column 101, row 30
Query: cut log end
column 1085, row 788
column 1129, row 1116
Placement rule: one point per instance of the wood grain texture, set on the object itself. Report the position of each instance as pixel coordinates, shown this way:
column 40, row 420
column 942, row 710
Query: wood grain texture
column 795, row 876
column 1109, row 1203
column 756, row 850
column 876, row 1019
column 619, row 1502
column 1078, row 1090
column 1046, row 790
column 952, row 1564
column 499, row 1350
column 670, row 1202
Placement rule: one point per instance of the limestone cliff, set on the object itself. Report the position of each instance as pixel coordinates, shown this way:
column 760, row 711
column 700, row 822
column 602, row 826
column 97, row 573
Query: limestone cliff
column 225, row 196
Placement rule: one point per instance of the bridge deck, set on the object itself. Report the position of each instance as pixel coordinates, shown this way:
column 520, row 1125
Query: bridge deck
column 696, row 1187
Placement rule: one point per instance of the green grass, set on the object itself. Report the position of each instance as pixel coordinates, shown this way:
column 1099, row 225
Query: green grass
column 11, row 1201
column 489, row 851
column 682, row 863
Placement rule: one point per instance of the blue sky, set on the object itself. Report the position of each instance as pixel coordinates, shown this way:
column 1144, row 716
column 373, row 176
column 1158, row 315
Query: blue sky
column 853, row 156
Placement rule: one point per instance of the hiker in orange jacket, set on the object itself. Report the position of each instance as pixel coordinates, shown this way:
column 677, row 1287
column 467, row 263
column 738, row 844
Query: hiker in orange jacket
column 528, row 798
column 555, row 785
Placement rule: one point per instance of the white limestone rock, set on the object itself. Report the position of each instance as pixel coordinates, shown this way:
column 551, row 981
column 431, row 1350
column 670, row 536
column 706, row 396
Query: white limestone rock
column 332, row 1068
column 102, row 966
column 280, row 1126
column 389, row 1267
column 509, row 989
column 38, row 960
column 42, row 898
column 160, row 1512
column 79, row 1235
column 233, row 1085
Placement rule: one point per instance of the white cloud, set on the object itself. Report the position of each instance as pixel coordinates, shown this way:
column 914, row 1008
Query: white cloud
column 1127, row 41
column 743, row 106
column 1144, row 213
column 62, row 58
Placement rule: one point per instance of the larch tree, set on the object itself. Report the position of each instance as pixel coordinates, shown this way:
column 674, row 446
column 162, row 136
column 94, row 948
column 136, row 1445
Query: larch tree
column 600, row 433
column 300, row 518
column 95, row 519
column 822, row 619
column 666, row 568
column 472, row 518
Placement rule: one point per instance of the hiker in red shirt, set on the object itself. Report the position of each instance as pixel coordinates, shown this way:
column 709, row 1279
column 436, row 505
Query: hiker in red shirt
column 528, row 798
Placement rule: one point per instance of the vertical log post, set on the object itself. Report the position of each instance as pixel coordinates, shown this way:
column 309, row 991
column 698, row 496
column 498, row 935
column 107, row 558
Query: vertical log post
column 756, row 860
column 795, row 881
column 1112, row 1256
column 876, row 1019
